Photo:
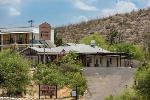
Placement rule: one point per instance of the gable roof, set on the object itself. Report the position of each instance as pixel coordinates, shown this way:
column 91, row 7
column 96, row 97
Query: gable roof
column 78, row 48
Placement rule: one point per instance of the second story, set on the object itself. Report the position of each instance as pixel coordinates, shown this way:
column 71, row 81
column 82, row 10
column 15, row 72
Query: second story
column 26, row 36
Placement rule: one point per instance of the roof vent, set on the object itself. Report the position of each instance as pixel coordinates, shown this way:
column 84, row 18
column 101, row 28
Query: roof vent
column 93, row 43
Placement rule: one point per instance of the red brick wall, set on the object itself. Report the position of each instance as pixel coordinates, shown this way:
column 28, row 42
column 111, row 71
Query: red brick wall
column 45, row 31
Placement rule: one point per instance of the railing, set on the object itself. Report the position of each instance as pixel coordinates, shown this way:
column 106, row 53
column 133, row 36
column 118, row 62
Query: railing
column 13, row 42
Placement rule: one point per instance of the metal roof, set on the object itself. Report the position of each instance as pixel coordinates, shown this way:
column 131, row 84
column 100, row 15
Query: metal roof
column 19, row 30
column 78, row 48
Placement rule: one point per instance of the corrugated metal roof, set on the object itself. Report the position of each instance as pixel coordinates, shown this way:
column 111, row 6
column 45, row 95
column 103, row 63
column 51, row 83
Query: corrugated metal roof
column 78, row 48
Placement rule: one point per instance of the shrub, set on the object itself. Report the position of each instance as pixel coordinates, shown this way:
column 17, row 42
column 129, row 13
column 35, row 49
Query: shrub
column 14, row 73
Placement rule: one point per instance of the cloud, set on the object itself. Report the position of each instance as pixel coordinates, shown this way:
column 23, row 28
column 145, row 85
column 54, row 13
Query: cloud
column 11, row 7
column 120, row 7
column 148, row 4
column 84, row 5
column 79, row 19
column 9, row 2
column 14, row 12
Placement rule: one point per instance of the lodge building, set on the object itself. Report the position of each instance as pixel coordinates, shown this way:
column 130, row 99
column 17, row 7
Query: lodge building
column 89, row 56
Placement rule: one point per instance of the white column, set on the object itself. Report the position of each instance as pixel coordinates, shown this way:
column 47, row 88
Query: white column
column 52, row 36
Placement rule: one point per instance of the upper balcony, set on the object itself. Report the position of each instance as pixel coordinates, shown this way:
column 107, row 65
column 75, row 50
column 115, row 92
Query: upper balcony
column 11, row 41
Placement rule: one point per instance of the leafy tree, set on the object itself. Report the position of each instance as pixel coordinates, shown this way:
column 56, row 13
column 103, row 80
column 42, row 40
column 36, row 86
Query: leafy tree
column 100, row 41
column 147, row 45
column 14, row 73
column 48, row 75
column 143, row 80
column 64, row 72
column 111, row 38
column 58, row 41
column 126, row 48
column 77, row 80
column 139, row 52
column 70, row 63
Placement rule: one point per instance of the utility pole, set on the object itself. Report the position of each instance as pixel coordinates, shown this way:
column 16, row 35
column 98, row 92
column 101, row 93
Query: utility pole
column 31, row 25
column 44, row 55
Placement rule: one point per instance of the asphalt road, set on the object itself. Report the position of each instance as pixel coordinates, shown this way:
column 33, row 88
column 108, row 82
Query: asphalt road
column 104, row 81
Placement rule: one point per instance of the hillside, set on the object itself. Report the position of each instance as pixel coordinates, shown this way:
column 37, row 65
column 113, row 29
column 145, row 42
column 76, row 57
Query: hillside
column 132, row 27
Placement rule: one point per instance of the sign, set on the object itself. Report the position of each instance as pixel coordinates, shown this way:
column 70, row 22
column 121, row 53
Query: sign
column 74, row 93
column 47, row 90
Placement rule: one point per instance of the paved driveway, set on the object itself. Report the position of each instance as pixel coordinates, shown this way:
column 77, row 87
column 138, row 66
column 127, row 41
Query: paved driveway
column 104, row 81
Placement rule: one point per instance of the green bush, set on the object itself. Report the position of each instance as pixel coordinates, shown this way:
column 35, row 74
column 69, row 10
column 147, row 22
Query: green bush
column 77, row 80
column 48, row 75
column 127, row 94
column 14, row 73
column 65, row 72
column 143, row 80
column 100, row 41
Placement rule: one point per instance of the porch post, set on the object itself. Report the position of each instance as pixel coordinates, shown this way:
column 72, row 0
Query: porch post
column 38, row 58
column 57, row 57
column 85, row 61
column 1, row 41
column 94, row 61
column 120, row 60
column 117, row 61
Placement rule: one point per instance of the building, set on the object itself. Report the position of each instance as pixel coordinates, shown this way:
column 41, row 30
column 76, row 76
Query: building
column 90, row 56
column 22, row 37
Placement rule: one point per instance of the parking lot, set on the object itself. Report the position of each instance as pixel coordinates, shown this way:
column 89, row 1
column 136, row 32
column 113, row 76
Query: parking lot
column 104, row 81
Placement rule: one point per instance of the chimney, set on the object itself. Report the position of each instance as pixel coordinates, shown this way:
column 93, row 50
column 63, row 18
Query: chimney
column 93, row 43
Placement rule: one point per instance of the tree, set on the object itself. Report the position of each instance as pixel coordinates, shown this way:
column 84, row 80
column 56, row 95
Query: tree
column 126, row 48
column 57, row 40
column 49, row 75
column 143, row 80
column 100, row 41
column 64, row 72
column 147, row 45
column 113, row 37
column 14, row 73
column 77, row 80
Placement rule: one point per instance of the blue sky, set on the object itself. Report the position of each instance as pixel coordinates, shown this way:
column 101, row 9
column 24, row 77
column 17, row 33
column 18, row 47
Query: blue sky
column 62, row 12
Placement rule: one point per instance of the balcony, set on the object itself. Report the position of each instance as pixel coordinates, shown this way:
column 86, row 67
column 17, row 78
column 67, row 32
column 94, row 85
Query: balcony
column 6, row 42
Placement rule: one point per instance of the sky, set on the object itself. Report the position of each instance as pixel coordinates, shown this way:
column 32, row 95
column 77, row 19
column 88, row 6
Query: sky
column 16, row 13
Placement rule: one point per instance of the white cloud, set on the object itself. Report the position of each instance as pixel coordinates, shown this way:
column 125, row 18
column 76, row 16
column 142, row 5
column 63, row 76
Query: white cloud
column 148, row 4
column 79, row 19
column 84, row 5
column 14, row 12
column 9, row 2
column 11, row 6
column 120, row 7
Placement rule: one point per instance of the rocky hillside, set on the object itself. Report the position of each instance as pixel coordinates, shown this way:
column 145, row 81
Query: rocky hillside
column 132, row 27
